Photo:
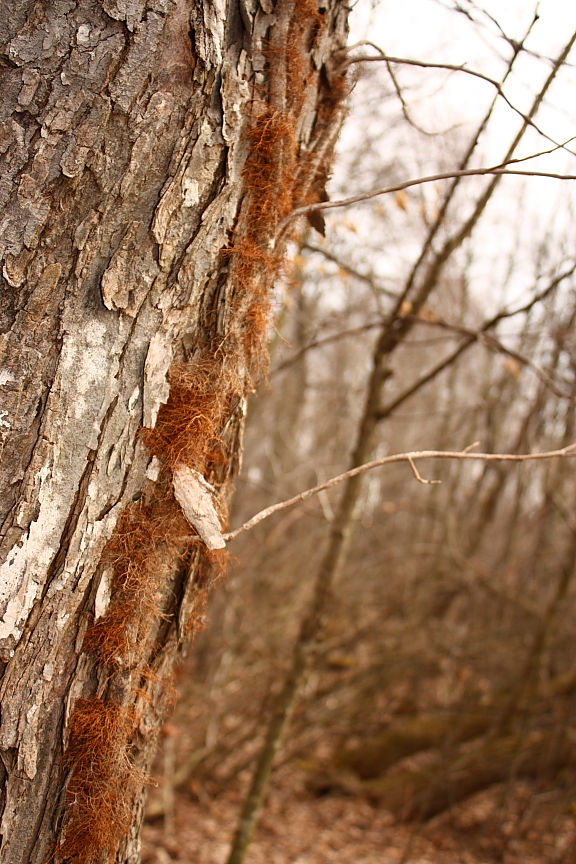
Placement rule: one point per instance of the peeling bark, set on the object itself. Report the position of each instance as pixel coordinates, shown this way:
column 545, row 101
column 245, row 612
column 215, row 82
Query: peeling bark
column 124, row 138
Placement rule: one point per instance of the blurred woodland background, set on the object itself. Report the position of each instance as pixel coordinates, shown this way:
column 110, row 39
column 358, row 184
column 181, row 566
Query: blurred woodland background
column 438, row 699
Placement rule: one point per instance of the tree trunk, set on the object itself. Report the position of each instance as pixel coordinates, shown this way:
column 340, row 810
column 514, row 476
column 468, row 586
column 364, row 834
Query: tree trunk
column 151, row 151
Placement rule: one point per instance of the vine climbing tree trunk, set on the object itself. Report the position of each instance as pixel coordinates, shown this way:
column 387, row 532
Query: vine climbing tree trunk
column 151, row 149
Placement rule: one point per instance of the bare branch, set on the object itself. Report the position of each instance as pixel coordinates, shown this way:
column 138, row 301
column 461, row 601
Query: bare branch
column 453, row 242
column 469, row 338
column 419, row 477
column 382, row 57
column 478, row 23
column 389, row 460
column 464, row 163
column 497, row 345
column 404, row 105
column 496, row 170
column 326, row 340
column 471, row 447
column 363, row 277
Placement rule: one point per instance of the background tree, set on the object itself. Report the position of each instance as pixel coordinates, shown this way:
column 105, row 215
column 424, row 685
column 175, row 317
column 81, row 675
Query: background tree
column 151, row 151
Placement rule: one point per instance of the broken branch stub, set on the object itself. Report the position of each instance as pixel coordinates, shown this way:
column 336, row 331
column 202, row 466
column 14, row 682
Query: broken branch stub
column 196, row 497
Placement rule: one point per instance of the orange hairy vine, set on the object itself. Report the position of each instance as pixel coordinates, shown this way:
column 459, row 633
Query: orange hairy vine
column 155, row 554
column 99, row 791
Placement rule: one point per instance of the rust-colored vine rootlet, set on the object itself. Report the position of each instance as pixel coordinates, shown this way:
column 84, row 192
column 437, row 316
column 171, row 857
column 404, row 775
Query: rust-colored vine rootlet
column 153, row 540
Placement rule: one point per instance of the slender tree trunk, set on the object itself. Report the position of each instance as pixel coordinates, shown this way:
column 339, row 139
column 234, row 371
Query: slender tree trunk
column 150, row 150
column 334, row 558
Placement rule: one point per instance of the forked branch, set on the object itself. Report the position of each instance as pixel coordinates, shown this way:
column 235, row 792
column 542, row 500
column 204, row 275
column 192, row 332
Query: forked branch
column 382, row 57
column 410, row 458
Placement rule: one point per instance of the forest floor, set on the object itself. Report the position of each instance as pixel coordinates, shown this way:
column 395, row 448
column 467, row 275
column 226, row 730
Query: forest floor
column 516, row 824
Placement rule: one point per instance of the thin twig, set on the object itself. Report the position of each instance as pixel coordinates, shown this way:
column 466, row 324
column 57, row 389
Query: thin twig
column 389, row 460
column 494, row 343
column 432, row 178
column 419, row 477
column 364, row 277
column 404, row 105
column 326, row 340
column 381, row 57
column 471, row 447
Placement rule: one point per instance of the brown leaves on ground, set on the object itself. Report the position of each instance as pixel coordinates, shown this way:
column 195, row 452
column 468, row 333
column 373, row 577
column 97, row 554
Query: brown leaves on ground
column 511, row 824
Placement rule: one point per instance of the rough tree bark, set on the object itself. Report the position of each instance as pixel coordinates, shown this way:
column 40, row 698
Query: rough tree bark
column 150, row 150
